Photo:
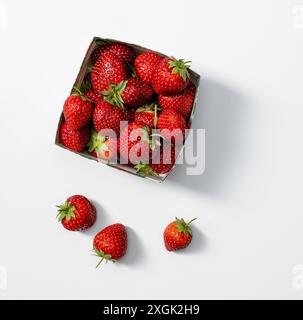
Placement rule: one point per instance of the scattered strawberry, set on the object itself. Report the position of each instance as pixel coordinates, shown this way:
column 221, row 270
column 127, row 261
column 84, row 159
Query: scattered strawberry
column 170, row 76
column 110, row 244
column 75, row 140
column 77, row 213
column 102, row 147
column 78, row 111
column 178, row 235
column 108, row 69
column 135, row 143
column 148, row 114
column 161, row 163
column 108, row 116
column 182, row 102
column 130, row 93
column 145, row 64
column 172, row 126
column 124, row 52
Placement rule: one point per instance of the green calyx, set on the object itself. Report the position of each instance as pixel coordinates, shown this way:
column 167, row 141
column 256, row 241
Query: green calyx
column 78, row 92
column 145, row 169
column 67, row 211
column 179, row 67
column 97, row 142
column 183, row 226
column 113, row 94
column 148, row 107
column 103, row 256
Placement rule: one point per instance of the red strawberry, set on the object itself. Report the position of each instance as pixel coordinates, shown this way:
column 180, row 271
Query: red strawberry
column 107, row 116
column 148, row 114
column 78, row 111
column 134, row 143
column 170, row 76
column 75, row 140
column 182, row 102
column 108, row 69
column 77, row 213
column 130, row 93
column 145, row 64
column 110, row 244
column 161, row 163
column 124, row 52
column 102, row 147
column 177, row 235
column 172, row 126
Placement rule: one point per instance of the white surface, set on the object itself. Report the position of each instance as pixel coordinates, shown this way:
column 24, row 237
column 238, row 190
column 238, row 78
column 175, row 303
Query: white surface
column 249, row 233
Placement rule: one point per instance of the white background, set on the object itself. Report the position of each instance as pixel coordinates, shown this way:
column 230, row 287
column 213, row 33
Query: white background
column 248, row 236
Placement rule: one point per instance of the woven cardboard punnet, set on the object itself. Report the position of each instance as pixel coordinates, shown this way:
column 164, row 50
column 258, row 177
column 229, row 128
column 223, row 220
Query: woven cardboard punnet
column 195, row 78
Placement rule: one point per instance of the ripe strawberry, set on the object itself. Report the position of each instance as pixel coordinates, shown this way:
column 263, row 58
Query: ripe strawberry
column 182, row 102
column 102, row 147
column 124, row 52
column 130, row 93
column 145, row 64
column 75, row 140
column 172, row 126
column 110, row 244
column 108, row 69
column 77, row 111
column 161, row 163
column 77, row 213
column 107, row 116
column 170, row 76
column 177, row 235
column 148, row 114
column 135, row 143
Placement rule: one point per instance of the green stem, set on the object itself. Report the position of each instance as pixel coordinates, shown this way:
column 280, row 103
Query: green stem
column 188, row 223
column 99, row 263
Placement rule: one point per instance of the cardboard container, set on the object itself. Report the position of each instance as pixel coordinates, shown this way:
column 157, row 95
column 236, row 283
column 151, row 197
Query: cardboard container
column 195, row 78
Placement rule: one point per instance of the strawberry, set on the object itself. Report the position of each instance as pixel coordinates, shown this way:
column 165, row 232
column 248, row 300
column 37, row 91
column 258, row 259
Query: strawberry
column 130, row 93
column 77, row 111
column 145, row 64
column 124, row 52
column 172, row 126
column 170, row 76
column 135, row 143
column 108, row 69
column 108, row 116
column 162, row 162
column 102, row 147
column 182, row 102
column 110, row 244
column 178, row 235
column 148, row 114
column 75, row 140
column 77, row 213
